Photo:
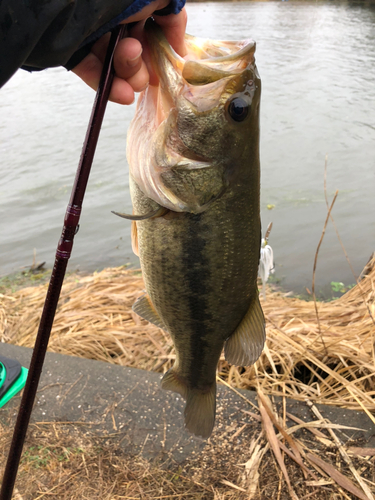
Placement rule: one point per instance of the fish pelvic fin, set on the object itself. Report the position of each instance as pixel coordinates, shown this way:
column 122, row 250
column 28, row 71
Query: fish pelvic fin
column 246, row 343
column 146, row 310
column 200, row 407
column 159, row 212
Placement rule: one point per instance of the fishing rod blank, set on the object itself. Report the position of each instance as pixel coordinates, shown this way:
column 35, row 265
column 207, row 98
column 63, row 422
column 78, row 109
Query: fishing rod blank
column 63, row 253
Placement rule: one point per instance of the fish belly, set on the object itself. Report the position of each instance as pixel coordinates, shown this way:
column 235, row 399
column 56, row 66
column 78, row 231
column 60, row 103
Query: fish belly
column 200, row 272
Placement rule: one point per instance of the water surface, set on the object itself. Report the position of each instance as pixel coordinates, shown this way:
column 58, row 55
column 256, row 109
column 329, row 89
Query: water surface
column 317, row 64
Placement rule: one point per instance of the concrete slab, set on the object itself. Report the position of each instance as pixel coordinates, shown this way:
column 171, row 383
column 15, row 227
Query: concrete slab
column 128, row 404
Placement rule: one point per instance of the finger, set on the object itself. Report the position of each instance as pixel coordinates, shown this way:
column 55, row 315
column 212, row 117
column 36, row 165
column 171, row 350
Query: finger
column 127, row 61
column 138, row 32
column 121, row 92
column 127, row 58
column 174, row 27
column 140, row 80
column 90, row 69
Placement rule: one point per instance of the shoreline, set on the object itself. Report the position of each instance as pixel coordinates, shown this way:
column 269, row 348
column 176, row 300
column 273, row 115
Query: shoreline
column 38, row 275
column 94, row 319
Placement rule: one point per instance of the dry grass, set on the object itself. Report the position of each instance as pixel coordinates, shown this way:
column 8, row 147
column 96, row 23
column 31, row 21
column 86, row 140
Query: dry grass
column 61, row 462
column 331, row 361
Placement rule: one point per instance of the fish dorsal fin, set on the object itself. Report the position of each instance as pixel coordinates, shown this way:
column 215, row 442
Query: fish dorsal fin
column 134, row 237
column 145, row 309
column 246, row 343
column 200, row 407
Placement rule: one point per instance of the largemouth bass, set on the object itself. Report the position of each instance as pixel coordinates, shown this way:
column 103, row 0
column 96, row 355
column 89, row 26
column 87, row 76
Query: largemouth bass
column 193, row 151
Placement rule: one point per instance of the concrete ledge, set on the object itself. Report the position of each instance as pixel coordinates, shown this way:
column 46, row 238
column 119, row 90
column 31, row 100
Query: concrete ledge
column 129, row 403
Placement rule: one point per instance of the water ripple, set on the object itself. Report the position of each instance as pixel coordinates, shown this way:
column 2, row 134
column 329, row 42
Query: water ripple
column 317, row 64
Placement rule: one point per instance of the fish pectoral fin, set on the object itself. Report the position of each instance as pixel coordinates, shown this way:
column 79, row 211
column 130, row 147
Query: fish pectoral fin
column 145, row 309
column 200, row 407
column 246, row 343
column 159, row 212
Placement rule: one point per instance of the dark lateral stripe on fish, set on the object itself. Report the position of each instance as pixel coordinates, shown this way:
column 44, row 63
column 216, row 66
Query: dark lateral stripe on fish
column 198, row 276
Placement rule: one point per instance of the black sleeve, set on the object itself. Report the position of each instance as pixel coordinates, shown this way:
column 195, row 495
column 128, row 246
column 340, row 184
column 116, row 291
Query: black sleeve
column 38, row 34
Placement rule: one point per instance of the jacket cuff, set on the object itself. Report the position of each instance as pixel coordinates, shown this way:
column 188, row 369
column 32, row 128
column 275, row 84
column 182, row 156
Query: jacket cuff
column 174, row 7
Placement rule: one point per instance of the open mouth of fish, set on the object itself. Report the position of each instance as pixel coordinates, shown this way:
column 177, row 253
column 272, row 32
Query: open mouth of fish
column 208, row 78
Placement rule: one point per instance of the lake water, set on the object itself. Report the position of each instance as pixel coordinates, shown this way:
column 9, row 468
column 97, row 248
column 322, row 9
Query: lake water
column 317, row 64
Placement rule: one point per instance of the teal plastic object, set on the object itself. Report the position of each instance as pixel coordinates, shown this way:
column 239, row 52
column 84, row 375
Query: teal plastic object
column 12, row 379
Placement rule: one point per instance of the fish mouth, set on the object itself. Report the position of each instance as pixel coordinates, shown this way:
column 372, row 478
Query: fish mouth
column 201, row 75
column 165, row 161
column 206, row 61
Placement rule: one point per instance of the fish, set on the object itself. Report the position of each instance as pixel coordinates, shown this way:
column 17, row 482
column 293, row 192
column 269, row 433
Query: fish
column 194, row 177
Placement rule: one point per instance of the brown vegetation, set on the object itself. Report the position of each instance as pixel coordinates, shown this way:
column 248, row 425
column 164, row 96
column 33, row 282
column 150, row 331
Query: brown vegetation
column 329, row 361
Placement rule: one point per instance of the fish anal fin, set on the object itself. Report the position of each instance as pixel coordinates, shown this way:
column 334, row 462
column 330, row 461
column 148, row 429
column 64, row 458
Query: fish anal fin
column 200, row 407
column 172, row 382
column 145, row 309
column 134, row 238
column 246, row 343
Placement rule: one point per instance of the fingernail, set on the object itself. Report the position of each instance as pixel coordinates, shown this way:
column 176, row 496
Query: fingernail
column 135, row 60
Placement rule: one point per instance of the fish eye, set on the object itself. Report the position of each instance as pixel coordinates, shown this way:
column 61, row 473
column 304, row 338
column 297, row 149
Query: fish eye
column 238, row 109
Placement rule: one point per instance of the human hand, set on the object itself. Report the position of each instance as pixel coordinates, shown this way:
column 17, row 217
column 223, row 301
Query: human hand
column 131, row 72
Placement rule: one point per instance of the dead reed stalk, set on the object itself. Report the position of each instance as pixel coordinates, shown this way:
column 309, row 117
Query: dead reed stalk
column 333, row 364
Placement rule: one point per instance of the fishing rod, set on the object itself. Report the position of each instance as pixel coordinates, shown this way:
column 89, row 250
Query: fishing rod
column 63, row 252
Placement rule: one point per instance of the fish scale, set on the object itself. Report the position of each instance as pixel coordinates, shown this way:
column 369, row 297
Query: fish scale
column 199, row 257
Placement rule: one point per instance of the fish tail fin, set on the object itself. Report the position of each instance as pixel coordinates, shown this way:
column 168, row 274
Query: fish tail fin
column 200, row 411
column 200, row 407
